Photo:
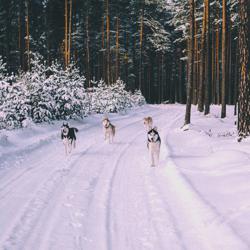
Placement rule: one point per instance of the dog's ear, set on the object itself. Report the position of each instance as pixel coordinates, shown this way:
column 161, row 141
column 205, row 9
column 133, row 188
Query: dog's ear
column 155, row 128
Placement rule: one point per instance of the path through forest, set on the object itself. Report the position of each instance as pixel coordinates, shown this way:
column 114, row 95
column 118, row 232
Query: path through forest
column 107, row 197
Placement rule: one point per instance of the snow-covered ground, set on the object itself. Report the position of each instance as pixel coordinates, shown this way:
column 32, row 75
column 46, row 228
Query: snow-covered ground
column 107, row 197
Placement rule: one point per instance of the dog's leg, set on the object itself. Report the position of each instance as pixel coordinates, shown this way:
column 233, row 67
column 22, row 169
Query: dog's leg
column 157, row 156
column 151, row 155
column 65, row 143
column 152, row 160
column 74, row 143
column 65, row 147
column 70, row 146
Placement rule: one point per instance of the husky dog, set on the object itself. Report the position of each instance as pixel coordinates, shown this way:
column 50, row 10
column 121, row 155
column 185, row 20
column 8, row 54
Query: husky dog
column 109, row 130
column 148, row 122
column 154, row 144
column 68, row 136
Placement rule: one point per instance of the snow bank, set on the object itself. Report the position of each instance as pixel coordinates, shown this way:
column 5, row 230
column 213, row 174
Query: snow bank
column 216, row 166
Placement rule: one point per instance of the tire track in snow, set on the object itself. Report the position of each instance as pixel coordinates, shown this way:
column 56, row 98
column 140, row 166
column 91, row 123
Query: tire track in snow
column 105, row 173
column 164, row 225
column 109, row 198
column 13, row 181
column 113, row 178
column 113, row 170
column 38, row 145
column 25, row 223
column 42, row 193
column 30, row 217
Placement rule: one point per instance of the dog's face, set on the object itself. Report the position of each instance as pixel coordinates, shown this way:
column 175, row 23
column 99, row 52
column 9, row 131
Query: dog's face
column 153, row 135
column 65, row 128
column 105, row 122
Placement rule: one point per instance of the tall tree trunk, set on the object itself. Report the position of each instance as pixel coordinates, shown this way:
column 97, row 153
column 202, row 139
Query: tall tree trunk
column 217, row 55
column 208, row 61
column 103, row 51
column 21, row 33
column 195, row 83
column 190, row 65
column 108, row 66
column 70, row 32
column 117, row 66
column 180, row 75
column 213, row 69
column 28, row 34
column 47, row 33
column 66, row 33
column 202, row 63
column 244, row 86
column 126, row 55
column 236, row 78
column 229, row 63
column 141, row 44
column 224, row 58
column 87, row 52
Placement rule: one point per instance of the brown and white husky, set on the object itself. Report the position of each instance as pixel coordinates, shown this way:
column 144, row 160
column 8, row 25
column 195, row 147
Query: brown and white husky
column 109, row 130
column 148, row 122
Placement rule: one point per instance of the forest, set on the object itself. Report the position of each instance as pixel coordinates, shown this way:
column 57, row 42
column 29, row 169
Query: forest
column 190, row 52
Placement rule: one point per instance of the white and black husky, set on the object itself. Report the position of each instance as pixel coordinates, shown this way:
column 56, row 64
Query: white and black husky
column 154, row 144
column 68, row 136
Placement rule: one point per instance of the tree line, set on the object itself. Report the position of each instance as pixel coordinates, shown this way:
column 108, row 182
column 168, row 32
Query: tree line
column 106, row 39
column 193, row 52
column 217, row 44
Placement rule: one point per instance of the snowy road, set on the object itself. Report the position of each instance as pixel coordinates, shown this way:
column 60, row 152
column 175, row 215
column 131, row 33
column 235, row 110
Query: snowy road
column 106, row 197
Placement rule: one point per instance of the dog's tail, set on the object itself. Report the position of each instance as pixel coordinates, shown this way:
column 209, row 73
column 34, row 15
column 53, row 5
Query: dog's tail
column 76, row 130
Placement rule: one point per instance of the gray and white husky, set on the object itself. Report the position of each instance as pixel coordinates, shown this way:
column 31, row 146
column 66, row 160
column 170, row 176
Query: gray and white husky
column 109, row 130
column 68, row 136
column 154, row 144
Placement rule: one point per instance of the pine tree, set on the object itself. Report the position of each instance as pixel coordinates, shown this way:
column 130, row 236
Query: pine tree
column 224, row 59
column 244, row 85
column 190, row 65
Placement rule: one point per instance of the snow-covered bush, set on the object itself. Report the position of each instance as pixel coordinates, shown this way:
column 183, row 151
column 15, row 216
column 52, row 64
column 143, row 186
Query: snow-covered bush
column 38, row 92
column 53, row 93
column 15, row 107
column 109, row 98
column 69, row 94
column 120, row 97
column 11, row 98
column 98, row 97
column 113, row 98
column 138, row 99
